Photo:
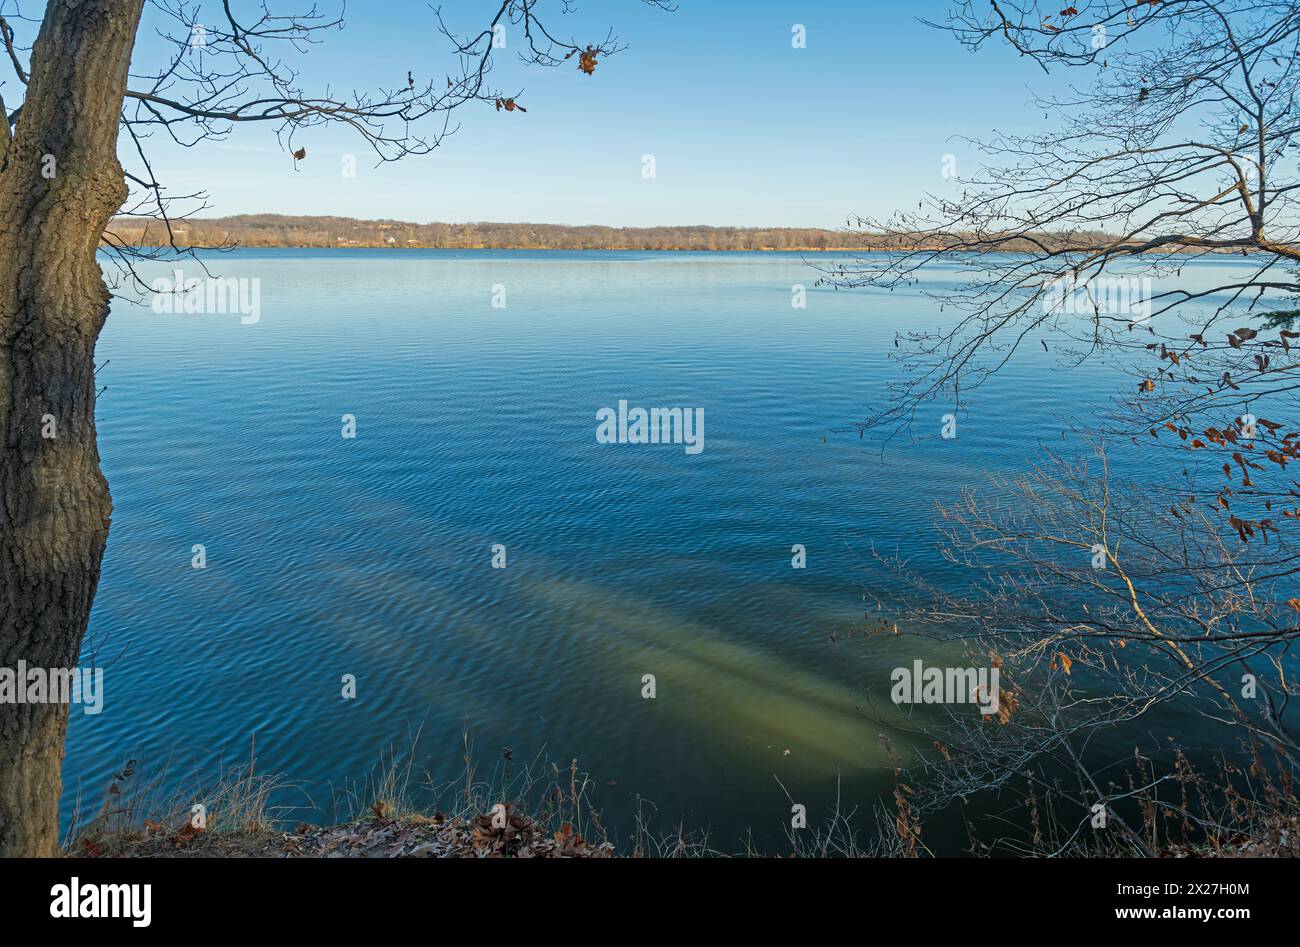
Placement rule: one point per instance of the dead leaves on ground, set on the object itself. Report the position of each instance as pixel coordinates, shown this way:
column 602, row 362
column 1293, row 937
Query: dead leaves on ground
column 441, row 836
column 390, row 836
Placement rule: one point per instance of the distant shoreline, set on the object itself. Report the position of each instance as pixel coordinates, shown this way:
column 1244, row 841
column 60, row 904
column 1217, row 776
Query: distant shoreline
column 305, row 233
column 275, row 230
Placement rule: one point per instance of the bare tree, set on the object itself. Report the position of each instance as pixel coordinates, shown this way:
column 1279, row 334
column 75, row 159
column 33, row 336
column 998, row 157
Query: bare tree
column 1180, row 143
column 1102, row 601
column 1104, row 598
column 75, row 96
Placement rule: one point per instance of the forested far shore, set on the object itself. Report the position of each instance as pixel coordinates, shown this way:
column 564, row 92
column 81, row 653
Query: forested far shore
column 273, row 230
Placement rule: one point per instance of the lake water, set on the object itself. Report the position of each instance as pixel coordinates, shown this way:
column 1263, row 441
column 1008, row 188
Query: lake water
column 476, row 426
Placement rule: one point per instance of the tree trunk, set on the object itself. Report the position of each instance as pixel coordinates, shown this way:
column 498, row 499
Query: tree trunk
column 60, row 184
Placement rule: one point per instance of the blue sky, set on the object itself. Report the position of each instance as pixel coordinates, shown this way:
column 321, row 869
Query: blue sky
column 745, row 129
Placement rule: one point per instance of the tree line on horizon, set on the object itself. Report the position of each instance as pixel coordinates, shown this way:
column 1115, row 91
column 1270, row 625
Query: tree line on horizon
column 275, row 230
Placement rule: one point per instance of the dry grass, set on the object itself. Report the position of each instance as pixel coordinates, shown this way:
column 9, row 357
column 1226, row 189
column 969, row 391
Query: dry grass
column 539, row 809
column 135, row 815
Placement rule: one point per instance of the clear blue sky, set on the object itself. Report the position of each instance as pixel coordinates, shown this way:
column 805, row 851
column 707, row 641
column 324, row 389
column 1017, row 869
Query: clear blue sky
column 745, row 129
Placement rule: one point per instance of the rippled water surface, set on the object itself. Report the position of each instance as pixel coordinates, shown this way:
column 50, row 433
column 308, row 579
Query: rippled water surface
column 476, row 426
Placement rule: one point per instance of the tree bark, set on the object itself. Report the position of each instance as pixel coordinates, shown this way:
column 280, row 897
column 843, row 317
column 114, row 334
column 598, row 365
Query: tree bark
column 60, row 184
